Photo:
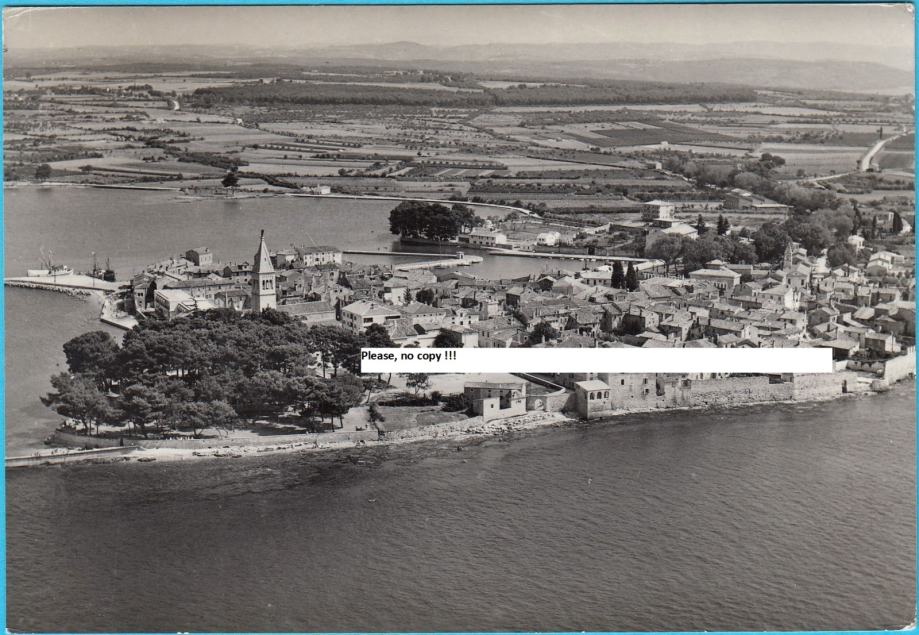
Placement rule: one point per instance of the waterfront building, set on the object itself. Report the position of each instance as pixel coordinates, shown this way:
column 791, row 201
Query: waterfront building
column 496, row 400
column 318, row 255
column 481, row 237
column 172, row 303
column 141, row 296
column 203, row 288
column 592, row 396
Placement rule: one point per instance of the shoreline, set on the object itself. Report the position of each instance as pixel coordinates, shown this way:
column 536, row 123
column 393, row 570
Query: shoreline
column 436, row 432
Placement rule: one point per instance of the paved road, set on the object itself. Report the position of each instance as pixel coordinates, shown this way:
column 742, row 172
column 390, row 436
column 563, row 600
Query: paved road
column 864, row 163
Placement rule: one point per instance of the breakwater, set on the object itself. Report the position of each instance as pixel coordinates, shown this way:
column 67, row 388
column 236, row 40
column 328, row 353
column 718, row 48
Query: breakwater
column 25, row 284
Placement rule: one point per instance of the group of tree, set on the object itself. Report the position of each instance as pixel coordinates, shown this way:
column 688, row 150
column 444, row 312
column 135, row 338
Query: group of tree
column 624, row 279
column 757, row 176
column 280, row 92
column 822, row 229
column 43, row 172
column 215, row 369
column 448, row 339
column 542, row 332
column 434, row 221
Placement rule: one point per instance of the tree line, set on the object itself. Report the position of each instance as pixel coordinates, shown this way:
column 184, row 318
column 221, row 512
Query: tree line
column 214, row 369
column 282, row 91
column 434, row 221
column 824, row 229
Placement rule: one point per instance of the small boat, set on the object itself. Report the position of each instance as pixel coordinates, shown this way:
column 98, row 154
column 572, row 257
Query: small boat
column 107, row 274
column 49, row 268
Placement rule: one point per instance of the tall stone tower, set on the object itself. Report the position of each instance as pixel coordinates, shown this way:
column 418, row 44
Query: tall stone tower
column 788, row 258
column 264, row 295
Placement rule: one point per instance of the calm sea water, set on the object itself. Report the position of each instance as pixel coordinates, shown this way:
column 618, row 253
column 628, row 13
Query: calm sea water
column 763, row 518
column 135, row 228
column 786, row 517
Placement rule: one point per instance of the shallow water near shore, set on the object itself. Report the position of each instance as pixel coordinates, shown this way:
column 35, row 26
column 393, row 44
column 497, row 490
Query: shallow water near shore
column 787, row 516
column 768, row 517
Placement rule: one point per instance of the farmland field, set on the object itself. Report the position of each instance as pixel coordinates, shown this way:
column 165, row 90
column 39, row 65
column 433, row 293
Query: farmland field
column 897, row 160
column 815, row 159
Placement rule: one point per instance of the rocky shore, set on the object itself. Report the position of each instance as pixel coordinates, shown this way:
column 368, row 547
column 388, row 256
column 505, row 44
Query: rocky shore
column 230, row 448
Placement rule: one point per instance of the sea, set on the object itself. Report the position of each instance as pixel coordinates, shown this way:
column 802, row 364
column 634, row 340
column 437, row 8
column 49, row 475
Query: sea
column 787, row 516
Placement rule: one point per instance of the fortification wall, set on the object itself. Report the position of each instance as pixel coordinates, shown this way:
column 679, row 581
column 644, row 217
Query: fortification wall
column 823, row 386
column 737, row 391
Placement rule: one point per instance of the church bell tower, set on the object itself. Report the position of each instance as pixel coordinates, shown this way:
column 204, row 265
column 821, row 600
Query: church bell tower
column 264, row 295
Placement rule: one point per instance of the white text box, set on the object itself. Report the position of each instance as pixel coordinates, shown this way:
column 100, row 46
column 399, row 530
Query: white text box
column 599, row 360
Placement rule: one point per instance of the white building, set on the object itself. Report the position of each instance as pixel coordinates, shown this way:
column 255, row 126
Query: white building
column 722, row 279
column 549, row 239
column 657, row 210
column 484, row 238
column 357, row 316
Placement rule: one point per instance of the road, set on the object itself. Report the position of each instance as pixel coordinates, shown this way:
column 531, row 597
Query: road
column 864, row 163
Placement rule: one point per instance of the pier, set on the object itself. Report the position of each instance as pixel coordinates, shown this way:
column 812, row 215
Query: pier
column 61, row 455
column 443, row 260
column 71, row 281
column 444, row 263
column 368, row 252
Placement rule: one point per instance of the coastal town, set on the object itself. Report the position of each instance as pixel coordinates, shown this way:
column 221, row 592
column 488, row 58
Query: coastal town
column 710, row 287
column 420, row 318
column 392, row 205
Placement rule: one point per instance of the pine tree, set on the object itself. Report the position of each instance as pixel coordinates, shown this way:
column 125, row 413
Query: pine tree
column 618, row 278
column 631, row 278
column 700, row 225
column 897, row 223
column 723, row 225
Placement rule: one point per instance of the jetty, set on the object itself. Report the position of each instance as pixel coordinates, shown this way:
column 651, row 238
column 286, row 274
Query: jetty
column 368, row 252
column 62, row 455
column 443, row 263
column 73, row 281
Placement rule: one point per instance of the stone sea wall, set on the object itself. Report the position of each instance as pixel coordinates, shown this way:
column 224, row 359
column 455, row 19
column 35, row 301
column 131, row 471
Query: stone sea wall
column 731, row 391
column 737, row 390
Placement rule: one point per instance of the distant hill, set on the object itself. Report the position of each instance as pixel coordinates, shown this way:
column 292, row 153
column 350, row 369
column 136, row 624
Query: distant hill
column 820, row 66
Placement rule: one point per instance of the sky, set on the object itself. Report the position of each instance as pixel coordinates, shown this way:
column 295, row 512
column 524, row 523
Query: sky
column 306, row 26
